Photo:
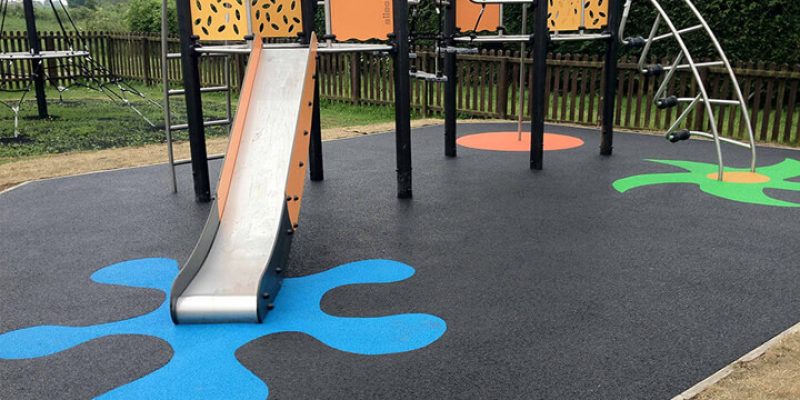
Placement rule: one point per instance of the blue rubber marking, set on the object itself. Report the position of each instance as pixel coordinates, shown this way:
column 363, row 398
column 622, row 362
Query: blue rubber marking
column 203, row 365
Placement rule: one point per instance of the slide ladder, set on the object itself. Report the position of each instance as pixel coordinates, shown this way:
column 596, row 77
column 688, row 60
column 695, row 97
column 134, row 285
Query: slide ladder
column 684, row 61
column 235, row 271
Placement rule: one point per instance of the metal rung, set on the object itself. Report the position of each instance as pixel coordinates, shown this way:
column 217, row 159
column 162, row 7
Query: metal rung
column 710, row 101
column 427, row 76
column 697, row 65
column 173, row 92
column 721, row 139
column 182, row 127
column 172, row 56
column 209, row 158
column 680, row 32
column 459, row 50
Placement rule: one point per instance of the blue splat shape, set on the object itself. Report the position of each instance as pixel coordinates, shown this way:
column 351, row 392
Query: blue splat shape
column 204, row 365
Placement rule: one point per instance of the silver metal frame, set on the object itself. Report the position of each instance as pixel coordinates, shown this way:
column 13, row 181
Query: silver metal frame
column 169, row 127
column 43, row 55
column 694, row 67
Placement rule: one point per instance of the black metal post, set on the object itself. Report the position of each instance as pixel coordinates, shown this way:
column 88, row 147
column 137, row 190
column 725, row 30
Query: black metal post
column 402, row 99
column 194, row 107
column 540, row 40
column 315, row 166
column 36, row 65
column 610, row 78
column 451, row 85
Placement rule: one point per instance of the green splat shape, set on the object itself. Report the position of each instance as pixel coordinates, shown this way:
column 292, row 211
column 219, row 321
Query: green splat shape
column 697, row 173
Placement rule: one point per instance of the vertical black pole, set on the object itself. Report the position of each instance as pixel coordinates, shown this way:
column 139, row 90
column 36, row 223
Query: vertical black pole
column 451, row 84
column 315, row 166
column 36, row 65
column 610, row 78
column 402, row 99
column 194, row 106
column 541, row 37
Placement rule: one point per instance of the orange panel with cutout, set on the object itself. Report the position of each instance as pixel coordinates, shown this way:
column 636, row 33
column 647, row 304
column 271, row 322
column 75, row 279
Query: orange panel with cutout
column 277, row 18
column 467, row 14
column 219, row 19
column 565, row 15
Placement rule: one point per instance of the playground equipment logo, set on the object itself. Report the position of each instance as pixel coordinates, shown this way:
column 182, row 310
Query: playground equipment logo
column 740, row 185
column 203, row 365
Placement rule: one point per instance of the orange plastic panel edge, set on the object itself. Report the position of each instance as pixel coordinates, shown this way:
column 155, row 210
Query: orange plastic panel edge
column 297, row 166
column 467, row 14
column 361, row 20
column 219, row 20
column 238, row 127
column 277, row 18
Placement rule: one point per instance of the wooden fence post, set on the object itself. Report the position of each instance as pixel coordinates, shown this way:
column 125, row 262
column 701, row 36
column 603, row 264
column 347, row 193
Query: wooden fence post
column 355, row 78
column 146, row 59
column 502, row 86
column 52, row 69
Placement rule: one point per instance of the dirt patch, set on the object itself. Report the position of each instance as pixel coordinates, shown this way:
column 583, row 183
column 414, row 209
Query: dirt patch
column 13, row 173
column 773, row 375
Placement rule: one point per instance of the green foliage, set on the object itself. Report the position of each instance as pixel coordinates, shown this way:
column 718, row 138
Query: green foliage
column 89, row 15
column 145, row 16
column 766, row 30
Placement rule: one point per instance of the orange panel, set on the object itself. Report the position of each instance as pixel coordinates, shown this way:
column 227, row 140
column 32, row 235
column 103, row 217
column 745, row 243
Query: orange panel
column 219, row 19
column 277, row 18
column 361, row 19
column 565, row 15
column 467, row 14
column 238, row 127
column 302, row 138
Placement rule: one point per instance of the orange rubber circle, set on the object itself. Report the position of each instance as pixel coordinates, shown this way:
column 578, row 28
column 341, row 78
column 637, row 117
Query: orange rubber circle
column 510, row 141
column 740, row 177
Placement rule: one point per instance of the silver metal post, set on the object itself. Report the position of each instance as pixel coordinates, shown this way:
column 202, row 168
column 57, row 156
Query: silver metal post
column 521, row 72
column 328, row 28
column 165, row 88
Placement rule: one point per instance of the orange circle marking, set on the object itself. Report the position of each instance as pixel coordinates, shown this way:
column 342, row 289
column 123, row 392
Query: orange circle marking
column 509, row 141
column 740, row 177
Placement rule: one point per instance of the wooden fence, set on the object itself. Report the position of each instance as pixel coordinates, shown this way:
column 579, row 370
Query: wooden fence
column 488, row 84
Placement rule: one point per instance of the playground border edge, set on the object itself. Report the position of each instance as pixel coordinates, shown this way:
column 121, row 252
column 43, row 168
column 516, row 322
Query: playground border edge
column 718, row 376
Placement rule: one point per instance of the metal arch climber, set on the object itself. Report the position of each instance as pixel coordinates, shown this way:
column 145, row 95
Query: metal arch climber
column 700, row 98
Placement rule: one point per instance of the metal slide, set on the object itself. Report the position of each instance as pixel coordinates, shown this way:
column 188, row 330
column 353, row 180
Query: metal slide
column 234, row 272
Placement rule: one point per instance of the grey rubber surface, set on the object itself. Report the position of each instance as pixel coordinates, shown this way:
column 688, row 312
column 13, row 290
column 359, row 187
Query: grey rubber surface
column 553, row 285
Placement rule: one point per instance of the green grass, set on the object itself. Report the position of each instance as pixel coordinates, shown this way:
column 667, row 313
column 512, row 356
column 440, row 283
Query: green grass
column 88, row 120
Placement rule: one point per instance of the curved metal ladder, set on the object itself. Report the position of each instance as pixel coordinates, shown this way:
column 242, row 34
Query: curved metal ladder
column 685, row 61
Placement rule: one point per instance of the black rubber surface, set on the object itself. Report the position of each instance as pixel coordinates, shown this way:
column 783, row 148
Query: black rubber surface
column 553, row 285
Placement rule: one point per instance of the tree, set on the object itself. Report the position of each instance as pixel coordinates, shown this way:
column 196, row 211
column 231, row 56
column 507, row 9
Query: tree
column 145, row 16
